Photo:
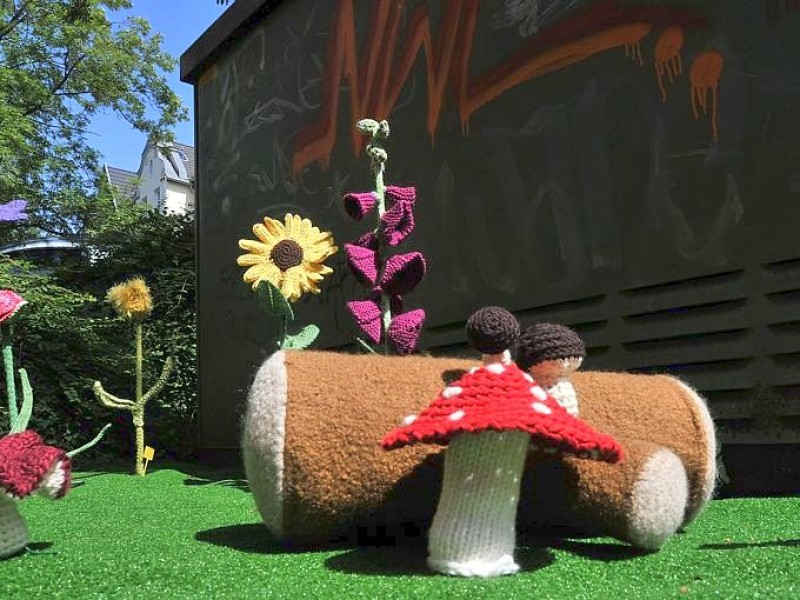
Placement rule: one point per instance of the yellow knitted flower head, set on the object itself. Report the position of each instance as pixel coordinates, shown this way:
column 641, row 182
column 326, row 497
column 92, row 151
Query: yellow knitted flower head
column 289, row 255
column 131, row 299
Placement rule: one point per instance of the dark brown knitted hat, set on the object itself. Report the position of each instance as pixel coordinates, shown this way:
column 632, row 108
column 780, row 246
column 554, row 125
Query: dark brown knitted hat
column 548, row 341
column 492, row 329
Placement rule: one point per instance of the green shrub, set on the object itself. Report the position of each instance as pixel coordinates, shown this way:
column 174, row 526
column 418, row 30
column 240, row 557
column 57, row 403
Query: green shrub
column 67, row 337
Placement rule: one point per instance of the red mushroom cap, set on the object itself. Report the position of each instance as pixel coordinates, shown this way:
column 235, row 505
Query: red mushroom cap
column 502, row 398
column 25, row 461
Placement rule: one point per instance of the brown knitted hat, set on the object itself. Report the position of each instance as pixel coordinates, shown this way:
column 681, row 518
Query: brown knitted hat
column 492, row 329
column 548, row 341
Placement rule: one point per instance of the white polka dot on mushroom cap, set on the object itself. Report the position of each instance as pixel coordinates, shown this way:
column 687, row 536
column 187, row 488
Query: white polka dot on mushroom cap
column 528, row 378
column 495, row 368
column 541, row 408
column 409, row 419
column 450, row 392
column 473, row 370
column 539, row 392
column 459, row 414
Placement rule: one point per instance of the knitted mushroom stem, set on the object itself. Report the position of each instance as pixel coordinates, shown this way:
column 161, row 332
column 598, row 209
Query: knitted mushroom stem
column 473, row 532
column 13, row 530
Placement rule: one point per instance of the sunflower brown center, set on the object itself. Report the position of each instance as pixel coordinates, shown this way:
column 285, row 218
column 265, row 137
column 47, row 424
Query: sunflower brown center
column 286, row 254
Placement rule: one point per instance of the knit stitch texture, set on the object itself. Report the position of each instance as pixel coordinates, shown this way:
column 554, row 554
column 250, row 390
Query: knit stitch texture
column 24, row 462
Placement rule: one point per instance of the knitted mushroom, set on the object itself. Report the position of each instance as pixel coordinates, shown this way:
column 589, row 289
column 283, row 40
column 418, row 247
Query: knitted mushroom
column 490, row 417
column 551, row 353
column 27, row 466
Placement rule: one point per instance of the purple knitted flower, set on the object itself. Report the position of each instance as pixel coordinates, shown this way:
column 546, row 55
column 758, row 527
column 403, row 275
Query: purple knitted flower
column 367, row 314
column 14, row 210
column 363, row 262
column 403, row 194
column 402, row 273
column 358, row 204
column 397, row 223
column 404, row 330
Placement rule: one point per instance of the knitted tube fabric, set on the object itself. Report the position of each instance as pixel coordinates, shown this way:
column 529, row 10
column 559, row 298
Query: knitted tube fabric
column 547, row 341
column 473, row 532
column 13, row 531
column 492, row 329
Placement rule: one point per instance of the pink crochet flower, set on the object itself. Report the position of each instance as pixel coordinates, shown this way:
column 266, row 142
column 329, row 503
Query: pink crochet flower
column 404, row 330
column 363, row 262
column 10, row 303
column 397, row 223
column 402, row 273
column 404, row 194
column 358, row 204
column 367, row 314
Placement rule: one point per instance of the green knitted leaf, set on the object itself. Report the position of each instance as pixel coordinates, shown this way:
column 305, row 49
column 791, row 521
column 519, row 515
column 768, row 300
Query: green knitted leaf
column 303, row 339
column 272, row 301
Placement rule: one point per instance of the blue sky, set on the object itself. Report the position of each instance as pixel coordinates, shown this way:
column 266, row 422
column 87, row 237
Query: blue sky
column 181, row 22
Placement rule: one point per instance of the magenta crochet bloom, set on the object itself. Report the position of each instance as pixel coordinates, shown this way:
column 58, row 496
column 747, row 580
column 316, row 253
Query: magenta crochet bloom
column 404, row 330
column 363, row 262
column 402, row 273
column 358, row 204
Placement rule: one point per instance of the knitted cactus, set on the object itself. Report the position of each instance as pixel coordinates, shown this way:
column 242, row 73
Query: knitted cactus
column 132, row 301
column 380, row 315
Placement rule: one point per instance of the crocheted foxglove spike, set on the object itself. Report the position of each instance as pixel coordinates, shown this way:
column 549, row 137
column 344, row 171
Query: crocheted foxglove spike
column 404, row 330
column 403, row 194
column 397, row 223
column 14, row 211
column 367, row 314
column 359, row 204
column 402, row 273
column 363, row 262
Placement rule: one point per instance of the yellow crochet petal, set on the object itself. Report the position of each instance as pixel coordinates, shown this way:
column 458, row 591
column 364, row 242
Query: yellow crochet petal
column 275, row 227
column 265, row 271
column 248, row 260
column 255, row 247
column 265, row 235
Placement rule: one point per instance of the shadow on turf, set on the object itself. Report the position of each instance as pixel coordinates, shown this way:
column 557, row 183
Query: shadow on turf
column 410, row 560
column 740, row 545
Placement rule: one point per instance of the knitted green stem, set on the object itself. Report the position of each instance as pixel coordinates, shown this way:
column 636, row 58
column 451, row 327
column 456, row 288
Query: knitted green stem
column 138, row 423
column 90, row 444
column 378, row 170
column 8, row 363
column 139, row 361
column 24, row 415
column 136, row 407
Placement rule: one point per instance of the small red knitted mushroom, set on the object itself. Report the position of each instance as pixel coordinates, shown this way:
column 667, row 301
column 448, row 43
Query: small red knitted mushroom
column 489, row 417
column 27, row 465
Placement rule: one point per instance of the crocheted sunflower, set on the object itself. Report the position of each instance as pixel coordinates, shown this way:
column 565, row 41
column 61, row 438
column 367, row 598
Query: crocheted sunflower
column 289, row 255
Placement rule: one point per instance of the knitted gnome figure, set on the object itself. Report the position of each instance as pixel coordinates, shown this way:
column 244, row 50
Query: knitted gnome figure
column 551, row 353
column 27, row 466
column 490, row 417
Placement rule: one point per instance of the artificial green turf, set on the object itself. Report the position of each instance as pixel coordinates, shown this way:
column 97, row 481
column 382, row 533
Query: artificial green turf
column 173, row 534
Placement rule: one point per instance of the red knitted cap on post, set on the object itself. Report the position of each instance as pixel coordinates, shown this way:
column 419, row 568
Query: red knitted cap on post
column 502, row 398
column 25, row 461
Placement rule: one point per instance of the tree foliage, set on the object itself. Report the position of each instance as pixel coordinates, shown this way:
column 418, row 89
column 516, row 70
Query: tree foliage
column 61, row 62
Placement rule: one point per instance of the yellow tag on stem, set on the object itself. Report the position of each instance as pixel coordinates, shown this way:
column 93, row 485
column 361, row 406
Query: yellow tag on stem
column 148, row 456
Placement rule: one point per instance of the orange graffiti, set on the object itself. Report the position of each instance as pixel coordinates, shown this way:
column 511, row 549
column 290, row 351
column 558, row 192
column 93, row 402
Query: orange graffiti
column 375, row 82
column 668, row 57
column 634, row 50
column 704, row 77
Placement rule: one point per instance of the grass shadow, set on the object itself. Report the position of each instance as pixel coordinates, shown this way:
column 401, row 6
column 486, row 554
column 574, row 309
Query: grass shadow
column 602, row 551
column 411, row 560
column 239, row 484
column 741, row 545
column 254, row 538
